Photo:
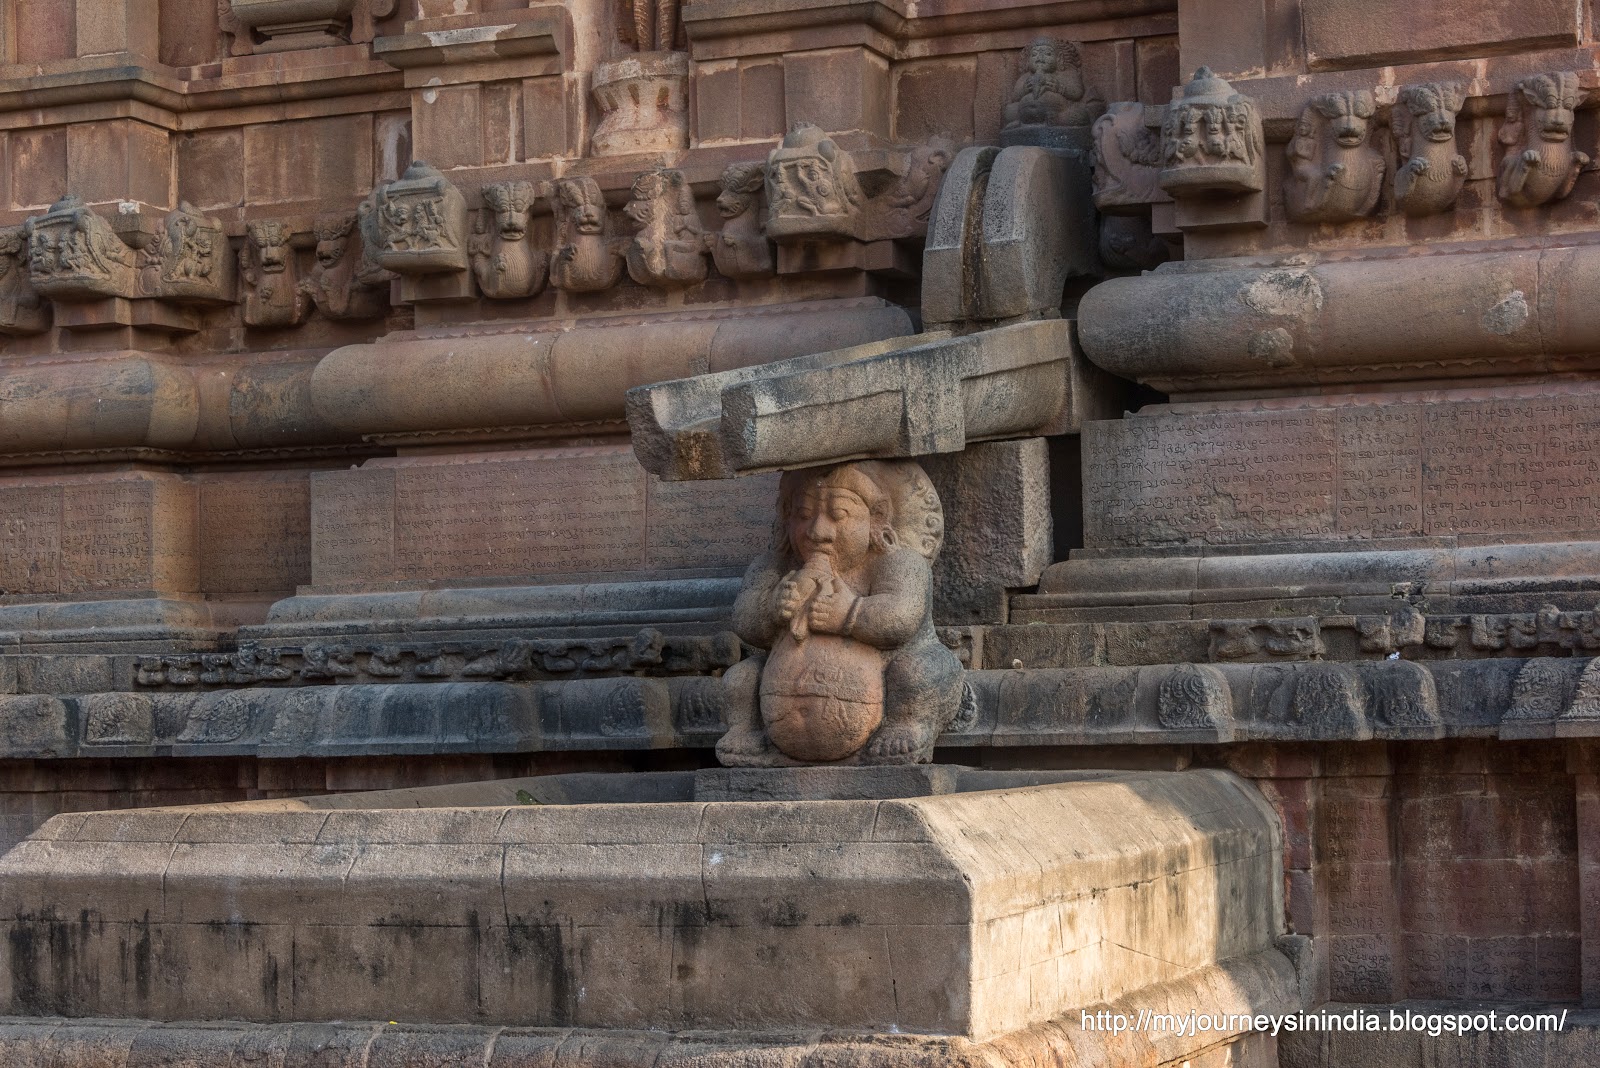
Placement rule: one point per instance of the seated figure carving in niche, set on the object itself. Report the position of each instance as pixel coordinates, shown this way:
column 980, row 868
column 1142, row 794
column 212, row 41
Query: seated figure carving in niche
column 843, row 604
column 1050, row 91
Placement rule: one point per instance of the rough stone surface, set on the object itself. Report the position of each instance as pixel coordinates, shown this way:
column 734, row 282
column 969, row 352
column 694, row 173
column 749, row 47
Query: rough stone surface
column 930, row 906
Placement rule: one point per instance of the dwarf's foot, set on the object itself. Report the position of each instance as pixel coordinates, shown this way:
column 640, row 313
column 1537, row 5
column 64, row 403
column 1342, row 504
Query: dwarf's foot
column 900, row 743
column 743, row 749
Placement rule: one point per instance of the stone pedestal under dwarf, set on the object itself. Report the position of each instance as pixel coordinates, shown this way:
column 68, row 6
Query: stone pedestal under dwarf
column 843, row 606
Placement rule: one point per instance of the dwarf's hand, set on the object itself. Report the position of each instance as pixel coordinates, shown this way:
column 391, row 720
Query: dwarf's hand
column 831, row 607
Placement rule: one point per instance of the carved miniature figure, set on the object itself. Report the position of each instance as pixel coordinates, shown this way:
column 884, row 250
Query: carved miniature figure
column 1335, row 173
column 1541, row 164
column 421, row 223
column 273, row 296
column 741, row 249
column 670, row 248
column 1432, row 172
column 74, row 254
column 843, row 602
column 1211, row 141
column 344, row 284
column 1126, row 160
column 190, row 259
column 586, row 258
column 22, row 310
column 811, row 185
column 505, row 261
column 1050, row 91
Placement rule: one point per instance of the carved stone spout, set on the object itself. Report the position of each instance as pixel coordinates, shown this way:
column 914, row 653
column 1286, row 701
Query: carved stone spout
column 853, row 672
column 585, row 258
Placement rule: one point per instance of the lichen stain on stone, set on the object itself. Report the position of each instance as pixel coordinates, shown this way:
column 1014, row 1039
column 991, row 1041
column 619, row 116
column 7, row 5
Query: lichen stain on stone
column 1508, row 315
column 1288, row 293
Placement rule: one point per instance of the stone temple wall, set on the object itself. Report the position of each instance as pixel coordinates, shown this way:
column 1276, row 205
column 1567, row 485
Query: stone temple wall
column 395, row 393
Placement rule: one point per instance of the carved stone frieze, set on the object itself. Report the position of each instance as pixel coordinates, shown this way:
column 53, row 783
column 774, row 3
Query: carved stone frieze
column 1431, row 171
column 504, row 258
column 669, row 249
column 586, row 257
column 1541, row 163
column 1336, row 173
column 1211, row 141
column 345, row 283
column 419, row 221
column 819, row 191
column 842, row 603
column 647, row 652
column 22, row 310
column 75, row 255
column 273, row 294
column 741, row 248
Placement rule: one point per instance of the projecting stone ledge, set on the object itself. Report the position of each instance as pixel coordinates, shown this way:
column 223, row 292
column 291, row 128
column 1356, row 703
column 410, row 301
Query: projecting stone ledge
column 914, row 396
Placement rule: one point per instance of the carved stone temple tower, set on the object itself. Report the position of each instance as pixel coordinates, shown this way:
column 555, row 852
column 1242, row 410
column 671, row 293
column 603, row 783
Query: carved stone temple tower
column 760, row 534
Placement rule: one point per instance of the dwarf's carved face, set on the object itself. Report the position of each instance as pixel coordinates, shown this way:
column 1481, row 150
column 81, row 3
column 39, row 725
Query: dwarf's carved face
column 832, row 522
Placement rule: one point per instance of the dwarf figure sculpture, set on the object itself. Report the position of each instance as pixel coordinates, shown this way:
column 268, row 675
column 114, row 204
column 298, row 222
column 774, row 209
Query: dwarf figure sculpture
column 1050, row 91
column 843, row 603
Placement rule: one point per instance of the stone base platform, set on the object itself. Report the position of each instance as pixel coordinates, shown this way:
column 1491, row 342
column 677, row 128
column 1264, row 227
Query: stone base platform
column 925, row 916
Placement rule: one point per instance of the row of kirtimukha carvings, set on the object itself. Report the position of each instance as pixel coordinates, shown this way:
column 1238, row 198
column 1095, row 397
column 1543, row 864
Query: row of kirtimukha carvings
column 1207, row 143
column 418, row 232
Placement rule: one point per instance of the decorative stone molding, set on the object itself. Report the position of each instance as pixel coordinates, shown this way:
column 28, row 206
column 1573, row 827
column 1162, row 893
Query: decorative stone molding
column 1431, row 171
column 287, row 25
column 843, row 603
column 819, row 191
column 586, row 258
column 644, row 104
column 1048, row 98
column 1335, row 172
column 1541, row 164
column 504, row 259
column 1211, row 140
column 22, row 310
column 741, row 248
column 669, row 250
column 274, row 296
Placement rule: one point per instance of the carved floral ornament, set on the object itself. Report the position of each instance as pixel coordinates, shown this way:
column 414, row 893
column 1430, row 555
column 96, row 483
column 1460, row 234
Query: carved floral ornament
column 1355, row 153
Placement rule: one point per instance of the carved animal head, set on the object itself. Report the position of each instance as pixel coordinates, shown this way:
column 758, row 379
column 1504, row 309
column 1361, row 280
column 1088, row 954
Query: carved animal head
column 1348, row 115
column 580, row 204
column 269, row 239
column 741, row 184
column 1433, row 107
column 509, row 201
column 658, row 195
column 13, row 249
column 333, row 238
column 1549, row 101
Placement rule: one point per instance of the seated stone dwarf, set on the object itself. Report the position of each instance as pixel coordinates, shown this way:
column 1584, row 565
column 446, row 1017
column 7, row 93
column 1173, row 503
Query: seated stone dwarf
column 843, row 603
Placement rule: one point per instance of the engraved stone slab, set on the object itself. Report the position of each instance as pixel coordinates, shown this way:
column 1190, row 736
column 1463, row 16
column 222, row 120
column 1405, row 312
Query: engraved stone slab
column 527, row 513
column 1460, row 464
column 130, row 532
column 255, row 532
